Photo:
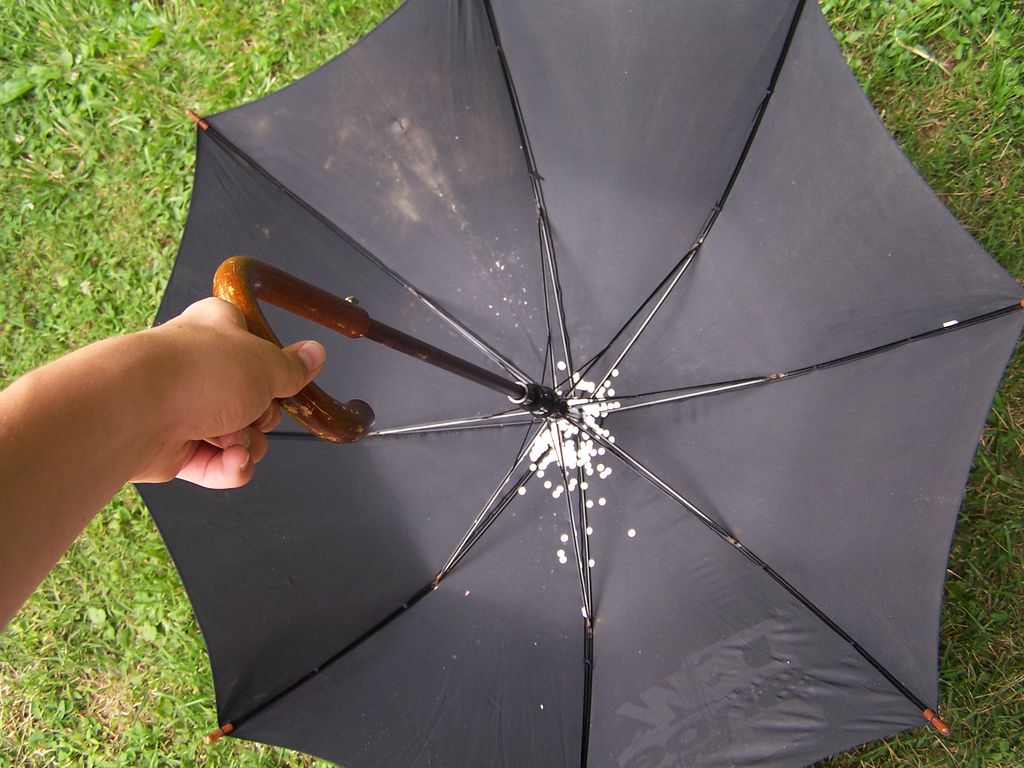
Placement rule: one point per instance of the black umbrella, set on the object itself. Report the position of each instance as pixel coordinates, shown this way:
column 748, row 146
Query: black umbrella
column 755, row 352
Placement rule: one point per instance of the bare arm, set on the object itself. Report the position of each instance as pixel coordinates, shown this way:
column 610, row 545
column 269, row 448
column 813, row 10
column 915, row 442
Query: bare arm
column 191, row 399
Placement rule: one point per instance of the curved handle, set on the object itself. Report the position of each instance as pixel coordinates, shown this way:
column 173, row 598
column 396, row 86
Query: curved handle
column 242, row 280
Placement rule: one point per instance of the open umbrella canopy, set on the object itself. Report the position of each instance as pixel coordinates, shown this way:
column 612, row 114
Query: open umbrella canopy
column 770, row 346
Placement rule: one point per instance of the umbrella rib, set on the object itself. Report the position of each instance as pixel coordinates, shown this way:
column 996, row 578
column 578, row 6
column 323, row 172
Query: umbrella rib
column 756, row 124
column 672, row 279
column 579, row 533
column 686, row 393
column 472, row 536
column 550, row 351
column 724, row 534
column 556, row 287
column 237, row 722
column 547, row 245
column 461, row 328
column 494, row 420
column 666, row 286
column 483, row 522
column 588, row 690
column 497, row 421
column 487, row 514
column 659, row 288
column 581, row 544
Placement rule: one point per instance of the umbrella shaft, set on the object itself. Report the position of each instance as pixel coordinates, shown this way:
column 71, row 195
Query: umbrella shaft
column 408, row 345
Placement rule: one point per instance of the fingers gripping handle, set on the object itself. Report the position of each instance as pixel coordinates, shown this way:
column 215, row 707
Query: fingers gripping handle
column 242, row 280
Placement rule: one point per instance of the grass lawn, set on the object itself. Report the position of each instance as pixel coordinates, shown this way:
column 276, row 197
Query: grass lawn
column 105, row 665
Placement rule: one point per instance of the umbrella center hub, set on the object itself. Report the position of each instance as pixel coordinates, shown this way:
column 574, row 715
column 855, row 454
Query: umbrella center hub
column 544, row 401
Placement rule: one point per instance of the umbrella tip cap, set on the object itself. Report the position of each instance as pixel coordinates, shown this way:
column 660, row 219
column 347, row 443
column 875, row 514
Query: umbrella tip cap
column 197, row 119
column 936, row 722
column 214, row 735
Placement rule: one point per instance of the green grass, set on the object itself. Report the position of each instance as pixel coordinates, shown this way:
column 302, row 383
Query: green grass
column 105, row 665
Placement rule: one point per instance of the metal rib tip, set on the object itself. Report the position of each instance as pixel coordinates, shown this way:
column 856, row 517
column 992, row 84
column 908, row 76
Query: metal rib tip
column 936, row 722
column 214, row 735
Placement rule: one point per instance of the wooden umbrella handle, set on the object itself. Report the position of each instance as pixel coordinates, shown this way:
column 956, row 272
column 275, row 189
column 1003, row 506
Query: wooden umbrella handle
column 242, row 280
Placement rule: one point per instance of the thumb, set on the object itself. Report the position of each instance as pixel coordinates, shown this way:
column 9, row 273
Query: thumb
column 304, row 361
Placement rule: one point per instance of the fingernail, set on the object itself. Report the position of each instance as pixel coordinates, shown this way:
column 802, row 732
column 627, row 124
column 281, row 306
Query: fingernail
column 313, row 355
column 245, row 462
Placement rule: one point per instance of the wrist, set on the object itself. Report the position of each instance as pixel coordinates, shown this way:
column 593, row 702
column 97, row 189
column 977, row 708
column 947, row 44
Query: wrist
column 157, row 378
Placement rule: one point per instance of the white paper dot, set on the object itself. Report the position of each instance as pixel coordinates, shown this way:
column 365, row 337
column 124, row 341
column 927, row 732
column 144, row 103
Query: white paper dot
column 522, row 490
column 631, row 532
column 564, row 537
column 602, row 501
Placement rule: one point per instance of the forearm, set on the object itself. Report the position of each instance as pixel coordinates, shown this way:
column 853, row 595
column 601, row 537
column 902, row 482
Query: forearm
column 190, row 399
column 71, row 435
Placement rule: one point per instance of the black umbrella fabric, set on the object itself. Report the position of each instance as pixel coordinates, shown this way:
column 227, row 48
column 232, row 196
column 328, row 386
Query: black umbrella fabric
column 772, row 346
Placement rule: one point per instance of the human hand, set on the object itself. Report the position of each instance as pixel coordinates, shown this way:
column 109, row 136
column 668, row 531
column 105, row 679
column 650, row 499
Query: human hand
column 220, row 387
